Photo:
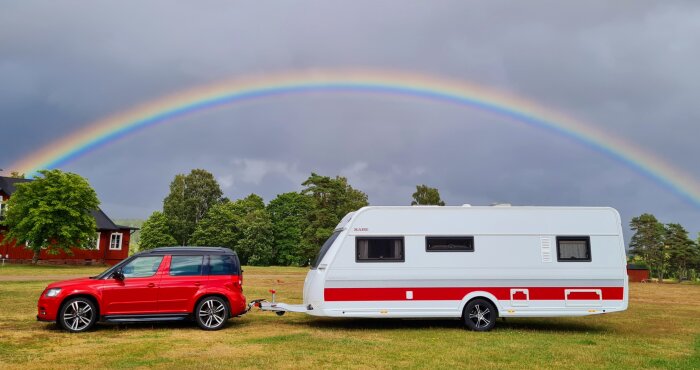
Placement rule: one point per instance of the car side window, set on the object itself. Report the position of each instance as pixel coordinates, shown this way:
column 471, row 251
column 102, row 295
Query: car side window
column 142, row 266
column 186, row 265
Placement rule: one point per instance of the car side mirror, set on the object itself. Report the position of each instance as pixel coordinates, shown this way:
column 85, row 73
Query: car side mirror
column 118, row 275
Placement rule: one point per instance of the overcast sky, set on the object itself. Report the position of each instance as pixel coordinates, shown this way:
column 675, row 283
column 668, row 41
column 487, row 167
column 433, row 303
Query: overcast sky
column 628, row 67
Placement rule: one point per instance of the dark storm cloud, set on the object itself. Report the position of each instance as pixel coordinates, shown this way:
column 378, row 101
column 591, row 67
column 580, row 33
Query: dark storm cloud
column 627, row 67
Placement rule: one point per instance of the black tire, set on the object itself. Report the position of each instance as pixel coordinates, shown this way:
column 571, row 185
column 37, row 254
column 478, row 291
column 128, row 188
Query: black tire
column 279, row 313
column 480, row 315
column 211, row 313
column 77, row 315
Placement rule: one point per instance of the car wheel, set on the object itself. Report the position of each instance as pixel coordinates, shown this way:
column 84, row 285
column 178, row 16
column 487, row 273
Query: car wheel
column 211, row 313
column 77, row 315
column 480, row 315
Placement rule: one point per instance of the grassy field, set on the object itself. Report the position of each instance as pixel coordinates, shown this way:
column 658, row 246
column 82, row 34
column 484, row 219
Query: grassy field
column 660, row 330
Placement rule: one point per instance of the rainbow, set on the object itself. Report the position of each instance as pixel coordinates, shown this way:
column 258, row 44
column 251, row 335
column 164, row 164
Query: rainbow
column 162, row 110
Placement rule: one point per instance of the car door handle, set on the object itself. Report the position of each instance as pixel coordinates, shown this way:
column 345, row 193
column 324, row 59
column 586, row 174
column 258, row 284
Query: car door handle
column 151, row 285
column 197, row 283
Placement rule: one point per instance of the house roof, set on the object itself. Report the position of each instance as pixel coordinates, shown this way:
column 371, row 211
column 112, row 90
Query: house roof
column 7, row 184
column 106, row 223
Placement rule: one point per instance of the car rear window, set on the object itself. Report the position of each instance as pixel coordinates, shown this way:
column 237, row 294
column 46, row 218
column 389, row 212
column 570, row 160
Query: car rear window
column 223, row 265
column 186, row 265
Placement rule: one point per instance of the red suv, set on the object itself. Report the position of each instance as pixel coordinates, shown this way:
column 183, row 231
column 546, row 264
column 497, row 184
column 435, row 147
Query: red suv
column 163, row 284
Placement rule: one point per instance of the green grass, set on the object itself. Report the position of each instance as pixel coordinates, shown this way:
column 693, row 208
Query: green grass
column 660, row 330
column 14, row 270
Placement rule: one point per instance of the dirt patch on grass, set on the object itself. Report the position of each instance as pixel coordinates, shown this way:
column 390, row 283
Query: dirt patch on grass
column 39, row 277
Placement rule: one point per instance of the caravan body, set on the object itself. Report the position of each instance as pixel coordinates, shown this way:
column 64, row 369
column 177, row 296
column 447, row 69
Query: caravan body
column 430, row 262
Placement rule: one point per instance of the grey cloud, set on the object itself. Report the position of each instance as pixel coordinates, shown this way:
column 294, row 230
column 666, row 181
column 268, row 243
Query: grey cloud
column 627, row 67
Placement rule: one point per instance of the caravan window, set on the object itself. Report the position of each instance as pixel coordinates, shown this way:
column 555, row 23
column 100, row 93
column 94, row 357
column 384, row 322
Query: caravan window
column 324, row 248
column 449, row 243
column 573, row 248
column 379, row 249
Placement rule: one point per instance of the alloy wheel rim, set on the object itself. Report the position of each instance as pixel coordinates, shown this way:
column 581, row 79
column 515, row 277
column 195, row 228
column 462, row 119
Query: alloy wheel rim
column 212, row 313
column 480, row 316
column 78, row 315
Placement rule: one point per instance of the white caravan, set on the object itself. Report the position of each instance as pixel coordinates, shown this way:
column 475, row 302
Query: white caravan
column 473, row 263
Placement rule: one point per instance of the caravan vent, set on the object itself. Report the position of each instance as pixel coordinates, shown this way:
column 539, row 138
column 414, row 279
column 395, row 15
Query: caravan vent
column 546, row 249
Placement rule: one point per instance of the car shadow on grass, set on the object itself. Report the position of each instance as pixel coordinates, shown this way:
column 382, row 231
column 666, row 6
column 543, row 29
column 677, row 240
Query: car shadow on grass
column 350, row 324
column 145, row 326
column 541, row 325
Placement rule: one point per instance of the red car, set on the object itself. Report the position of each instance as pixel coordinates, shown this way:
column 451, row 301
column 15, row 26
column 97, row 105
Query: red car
column 163, row 284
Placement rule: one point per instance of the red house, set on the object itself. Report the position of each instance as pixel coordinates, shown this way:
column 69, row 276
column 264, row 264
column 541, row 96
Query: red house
column 111, row 247
column 637, row 273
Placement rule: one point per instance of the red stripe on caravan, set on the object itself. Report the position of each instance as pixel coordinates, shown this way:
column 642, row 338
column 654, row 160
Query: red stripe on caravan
column 457, row 293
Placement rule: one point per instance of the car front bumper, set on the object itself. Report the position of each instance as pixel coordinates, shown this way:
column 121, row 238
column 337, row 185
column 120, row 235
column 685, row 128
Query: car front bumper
column 47, row 308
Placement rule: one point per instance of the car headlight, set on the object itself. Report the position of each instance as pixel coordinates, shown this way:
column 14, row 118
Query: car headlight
column 53, row 292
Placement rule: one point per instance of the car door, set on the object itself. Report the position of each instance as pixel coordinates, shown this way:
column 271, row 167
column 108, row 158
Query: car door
column 137, row 293
column 180, row 283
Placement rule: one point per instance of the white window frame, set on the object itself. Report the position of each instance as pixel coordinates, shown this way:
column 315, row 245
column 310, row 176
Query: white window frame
column 111, row 241
column 3, row 206
column 97, row 243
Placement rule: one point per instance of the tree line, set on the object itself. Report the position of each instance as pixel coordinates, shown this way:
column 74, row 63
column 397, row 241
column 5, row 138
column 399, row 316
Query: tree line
column 53, row 213
column 666, row 249
column 286, row 231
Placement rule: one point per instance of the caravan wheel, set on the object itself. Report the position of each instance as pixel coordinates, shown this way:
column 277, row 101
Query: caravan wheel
column 480, row 315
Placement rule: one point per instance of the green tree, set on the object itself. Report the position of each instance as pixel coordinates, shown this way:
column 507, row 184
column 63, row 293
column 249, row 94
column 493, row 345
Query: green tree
column 681, row 250
column 220, row 228
column 256, row 246
column 252, row 202
column 289, row 215
column 155, row 232
column 52, row 212
column 227, row 224
column 332, row 199
column 425, row 195
column 648, row 242
column 17, row 175
column 696, row 261
column 188, row 202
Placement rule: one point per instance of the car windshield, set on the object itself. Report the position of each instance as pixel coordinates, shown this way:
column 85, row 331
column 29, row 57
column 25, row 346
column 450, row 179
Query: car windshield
column 324, row 249
column 107, row 273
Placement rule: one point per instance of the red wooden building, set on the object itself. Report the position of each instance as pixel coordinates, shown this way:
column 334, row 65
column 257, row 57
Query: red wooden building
column 637, row 273
column 112, row 243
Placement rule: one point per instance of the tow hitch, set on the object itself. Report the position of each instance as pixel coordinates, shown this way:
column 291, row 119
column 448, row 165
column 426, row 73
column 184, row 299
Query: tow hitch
column 278, row 308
